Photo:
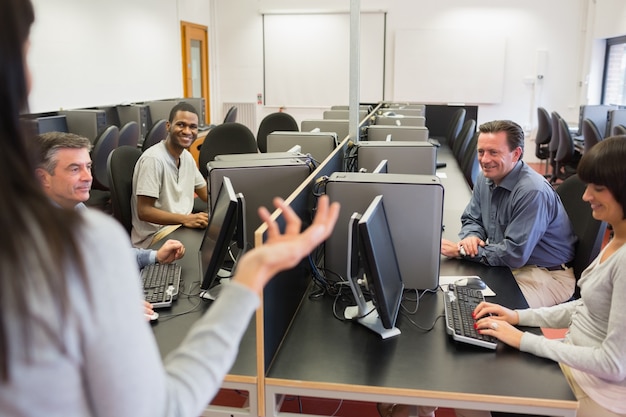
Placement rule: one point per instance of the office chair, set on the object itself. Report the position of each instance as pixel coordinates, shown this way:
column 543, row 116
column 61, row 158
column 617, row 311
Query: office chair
column 120, row 168
column 469, row 164
column 566, row 155
column 619, row 130
column 554, row 145
column 156, row 134
column 100, row 196
column 227, row 138
column 129, row 134
column 590, row 232
column 463, row 139
column 543, row 136
column 591, row 134
column 273, row 122
column 455, row 126
column 103, row 146
column 231, row 115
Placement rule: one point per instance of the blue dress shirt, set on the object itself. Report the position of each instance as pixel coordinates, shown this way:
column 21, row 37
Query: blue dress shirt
column 522, row 220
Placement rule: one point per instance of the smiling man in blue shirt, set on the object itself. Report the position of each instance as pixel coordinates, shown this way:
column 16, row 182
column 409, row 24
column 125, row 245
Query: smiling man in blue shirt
column 516, row 219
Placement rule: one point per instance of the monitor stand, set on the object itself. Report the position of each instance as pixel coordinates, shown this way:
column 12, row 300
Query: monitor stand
column 214, row 292
column 368, row 317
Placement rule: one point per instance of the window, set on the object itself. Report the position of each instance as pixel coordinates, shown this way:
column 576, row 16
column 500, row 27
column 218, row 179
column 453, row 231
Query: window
column 614, row 82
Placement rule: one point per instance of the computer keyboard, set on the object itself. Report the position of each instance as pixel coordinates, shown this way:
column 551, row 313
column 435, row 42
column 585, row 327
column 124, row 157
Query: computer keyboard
column 460, row 302
column 160, row 283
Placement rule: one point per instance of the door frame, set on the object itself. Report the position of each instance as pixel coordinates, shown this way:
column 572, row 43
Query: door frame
column 190, row 32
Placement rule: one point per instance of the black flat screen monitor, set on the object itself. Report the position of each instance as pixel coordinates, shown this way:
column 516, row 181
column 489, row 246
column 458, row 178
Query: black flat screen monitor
column 219, row 234
column 380, row 263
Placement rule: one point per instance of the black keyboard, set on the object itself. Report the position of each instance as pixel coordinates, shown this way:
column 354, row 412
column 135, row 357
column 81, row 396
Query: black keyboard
column 160, row 283
column 460, row 302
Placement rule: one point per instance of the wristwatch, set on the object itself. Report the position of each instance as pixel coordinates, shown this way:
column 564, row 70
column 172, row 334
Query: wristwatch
column 462, row 251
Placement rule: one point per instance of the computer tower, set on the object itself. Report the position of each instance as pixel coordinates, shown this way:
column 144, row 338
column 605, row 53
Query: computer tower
column 318, row 144
column 160, row 109
column 86, row 122
column 403, row 157
column 414, row 205
column 259, row 181
column 383, row 132
column 139, row 113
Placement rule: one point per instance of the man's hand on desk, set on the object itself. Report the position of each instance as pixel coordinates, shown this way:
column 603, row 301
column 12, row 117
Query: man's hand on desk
column 170, row 251
column 466, row 247
column 197, row 220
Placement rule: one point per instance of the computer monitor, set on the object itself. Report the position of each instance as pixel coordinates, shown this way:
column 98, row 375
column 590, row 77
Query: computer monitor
column 56, row 123
column 241, row 237
column 318, row 144
column 382, row 272
column 217, row 237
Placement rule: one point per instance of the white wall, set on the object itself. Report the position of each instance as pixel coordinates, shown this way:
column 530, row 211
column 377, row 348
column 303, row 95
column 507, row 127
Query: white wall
column 87, row 52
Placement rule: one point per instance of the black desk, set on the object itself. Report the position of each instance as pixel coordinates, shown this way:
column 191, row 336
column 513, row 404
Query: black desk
column 174, row 324
column 323, row 357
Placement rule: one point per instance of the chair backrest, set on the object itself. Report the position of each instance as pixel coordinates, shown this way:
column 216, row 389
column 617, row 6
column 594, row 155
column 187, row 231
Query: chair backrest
column 565, row 151
column 129, row 134
column 120, row 168
column 273, row 122
column 231, row 115
column 619, row 130
column 544, row 133
column 591, row 134
column 469, row 164
column 554, row 140
column 590, row 232
column 156, row 134
column 103, row 146
column 224, row 139
column 456, row 123
column 463, row 139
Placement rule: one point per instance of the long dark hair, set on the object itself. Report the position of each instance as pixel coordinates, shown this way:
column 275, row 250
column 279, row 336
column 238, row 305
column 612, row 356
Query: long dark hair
column 33, row 230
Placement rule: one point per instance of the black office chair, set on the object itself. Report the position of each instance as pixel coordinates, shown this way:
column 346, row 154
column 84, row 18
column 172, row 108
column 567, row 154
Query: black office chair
column 224, row 139
column 619, row 130
column 591, row 134
column 455, row 126
column 273, row 122
column 590, row 232
column 129, row 134
column 463, row 139
column 120, row 169
column 156, row 134
column 100, row 196
column 566, row 155
column 543, row 136
column 231, row 115
column 103, row 146
column 554, row 145
column 469, row 165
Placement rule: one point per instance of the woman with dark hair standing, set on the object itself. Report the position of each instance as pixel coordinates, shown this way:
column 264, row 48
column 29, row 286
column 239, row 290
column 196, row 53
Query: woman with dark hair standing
column 73, row 340
column 592, row 356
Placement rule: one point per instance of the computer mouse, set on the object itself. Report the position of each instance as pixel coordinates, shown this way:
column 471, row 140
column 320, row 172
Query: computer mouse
column 471, row 282
column 152, row 317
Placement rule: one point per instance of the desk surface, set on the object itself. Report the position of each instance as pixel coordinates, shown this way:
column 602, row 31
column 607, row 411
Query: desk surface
column 174, row 324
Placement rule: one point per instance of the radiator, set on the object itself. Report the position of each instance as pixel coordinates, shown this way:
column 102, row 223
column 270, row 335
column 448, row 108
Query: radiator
column 246, row 114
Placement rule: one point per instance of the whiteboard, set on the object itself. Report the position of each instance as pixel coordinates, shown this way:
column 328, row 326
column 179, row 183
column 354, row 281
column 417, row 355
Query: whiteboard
column 448, row 66
column 307, row 59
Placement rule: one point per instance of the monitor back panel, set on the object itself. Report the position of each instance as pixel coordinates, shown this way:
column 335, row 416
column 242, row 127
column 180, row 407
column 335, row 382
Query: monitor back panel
column 319, row 145
column 402, row 112
column 410, row 133
column 259, row 156
column 414, row 205
column 402, row 157
column 342, row 114
column 614, row 118
column 340, row 127
column 597, row 113
column 86, row 122
column 400, row 120
column 259, row 181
